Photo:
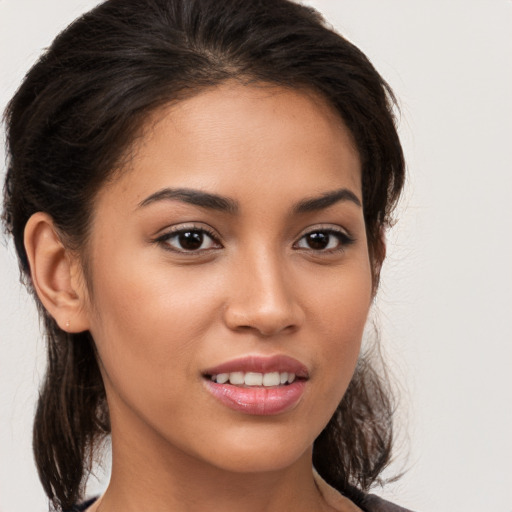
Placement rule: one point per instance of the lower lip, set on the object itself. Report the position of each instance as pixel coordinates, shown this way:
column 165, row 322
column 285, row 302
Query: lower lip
column 259, row 401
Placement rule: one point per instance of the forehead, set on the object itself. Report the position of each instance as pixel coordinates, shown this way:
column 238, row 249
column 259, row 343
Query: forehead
column 235, row 138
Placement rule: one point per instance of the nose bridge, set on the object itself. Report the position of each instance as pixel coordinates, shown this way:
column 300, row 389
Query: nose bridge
column 263, row 297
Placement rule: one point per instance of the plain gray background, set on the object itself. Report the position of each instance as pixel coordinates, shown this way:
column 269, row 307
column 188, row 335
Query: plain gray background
column 445, row 303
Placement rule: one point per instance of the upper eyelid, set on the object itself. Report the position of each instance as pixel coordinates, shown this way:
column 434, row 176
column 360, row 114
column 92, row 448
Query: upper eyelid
column 324, row 227
column 164, row 240
column 344, row 236
column 171, row 231
column 187, row 226
column 213, row 233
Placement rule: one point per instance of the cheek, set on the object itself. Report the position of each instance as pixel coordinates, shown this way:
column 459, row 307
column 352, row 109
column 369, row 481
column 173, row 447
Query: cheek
column 342, row 309
column 149, row 323
column 341, row 300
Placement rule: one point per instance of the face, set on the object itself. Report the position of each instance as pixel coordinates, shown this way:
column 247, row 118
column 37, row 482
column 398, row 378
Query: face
column 230, row 279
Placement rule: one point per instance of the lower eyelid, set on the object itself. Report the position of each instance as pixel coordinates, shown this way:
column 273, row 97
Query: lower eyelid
column 170, row 234
column 344, row 239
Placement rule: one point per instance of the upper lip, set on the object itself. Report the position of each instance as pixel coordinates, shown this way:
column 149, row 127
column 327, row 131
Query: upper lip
column 261, row 364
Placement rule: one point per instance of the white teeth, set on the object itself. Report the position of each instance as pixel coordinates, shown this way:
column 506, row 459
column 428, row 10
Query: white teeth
column 222, row 378
column 237, row 378
column 271, row 379
column 254, row 378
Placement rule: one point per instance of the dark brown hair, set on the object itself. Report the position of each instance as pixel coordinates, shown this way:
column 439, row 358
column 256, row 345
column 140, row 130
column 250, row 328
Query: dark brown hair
column 71, row 123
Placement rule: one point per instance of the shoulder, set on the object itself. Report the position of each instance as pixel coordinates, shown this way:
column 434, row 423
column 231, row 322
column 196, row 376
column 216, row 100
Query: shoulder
column 363, row 503
column 372, row 503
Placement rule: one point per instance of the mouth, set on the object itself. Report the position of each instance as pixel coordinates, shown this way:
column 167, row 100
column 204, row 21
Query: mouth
column 258, row 385
column 254, row 379
column 258, row 371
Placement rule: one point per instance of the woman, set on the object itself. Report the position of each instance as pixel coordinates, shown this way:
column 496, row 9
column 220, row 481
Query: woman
column 198, row 193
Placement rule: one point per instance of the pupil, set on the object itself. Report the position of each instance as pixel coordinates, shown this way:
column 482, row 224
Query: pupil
column 191, row 240
column 318, row 240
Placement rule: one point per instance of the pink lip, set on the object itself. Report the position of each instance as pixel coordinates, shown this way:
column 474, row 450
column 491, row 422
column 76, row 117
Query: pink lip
column 262, row 401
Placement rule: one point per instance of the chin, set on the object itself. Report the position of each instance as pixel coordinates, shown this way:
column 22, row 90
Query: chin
column 260, row 452
column 251, row 462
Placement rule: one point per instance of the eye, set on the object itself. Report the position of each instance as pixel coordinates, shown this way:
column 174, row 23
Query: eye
column 188, row 240
column 324, row 240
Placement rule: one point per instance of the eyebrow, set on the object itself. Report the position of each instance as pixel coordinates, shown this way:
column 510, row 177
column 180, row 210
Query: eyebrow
column 225, row 204
column 195, row 197
column 326, row 200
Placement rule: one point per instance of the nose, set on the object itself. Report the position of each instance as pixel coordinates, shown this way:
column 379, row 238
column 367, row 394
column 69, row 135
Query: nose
column 263, row 298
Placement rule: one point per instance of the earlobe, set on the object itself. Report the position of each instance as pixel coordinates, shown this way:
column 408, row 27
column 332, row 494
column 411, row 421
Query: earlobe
column 54, row 271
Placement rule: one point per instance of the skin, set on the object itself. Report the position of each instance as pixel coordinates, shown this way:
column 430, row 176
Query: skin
column 161, row 315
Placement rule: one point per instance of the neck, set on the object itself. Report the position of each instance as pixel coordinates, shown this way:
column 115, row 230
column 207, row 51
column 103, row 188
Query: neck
column 184, row 485
column 161, row 478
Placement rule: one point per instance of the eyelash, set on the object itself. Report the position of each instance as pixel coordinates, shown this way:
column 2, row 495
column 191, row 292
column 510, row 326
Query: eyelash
column 164, row 239
column 343, row 238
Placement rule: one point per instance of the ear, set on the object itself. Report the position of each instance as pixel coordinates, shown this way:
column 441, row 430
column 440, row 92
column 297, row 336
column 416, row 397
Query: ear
column 378, row 256
column 56, row 274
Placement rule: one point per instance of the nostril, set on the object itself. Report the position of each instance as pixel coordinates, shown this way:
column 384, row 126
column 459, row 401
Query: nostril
column 267, row 309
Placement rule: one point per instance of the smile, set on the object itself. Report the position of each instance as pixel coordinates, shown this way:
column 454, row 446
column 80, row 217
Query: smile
column 258, row 385
column 254, row 378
